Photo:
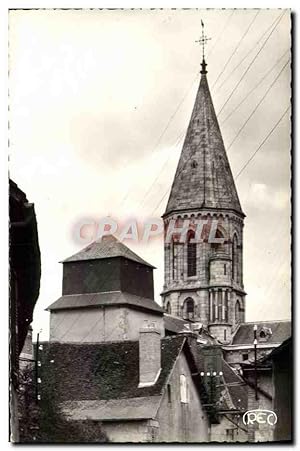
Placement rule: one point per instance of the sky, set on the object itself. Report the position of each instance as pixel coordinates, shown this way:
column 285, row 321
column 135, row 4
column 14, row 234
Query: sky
column 100, row 101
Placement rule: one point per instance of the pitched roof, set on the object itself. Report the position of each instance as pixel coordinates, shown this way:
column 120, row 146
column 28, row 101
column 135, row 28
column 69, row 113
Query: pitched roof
column 174, row 324
column 73, row 301
column 103, row 371
column 232, row 387
column 101, row 380
column 106, row 247
column 203, row 178
column 237, row 392
column 280, row 331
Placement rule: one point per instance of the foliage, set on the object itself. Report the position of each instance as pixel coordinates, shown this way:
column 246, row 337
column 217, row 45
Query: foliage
column 42, row 422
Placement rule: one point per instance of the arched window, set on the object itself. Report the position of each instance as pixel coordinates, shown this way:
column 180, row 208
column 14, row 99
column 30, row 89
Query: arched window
column 168, row 308
column 235, row 258
column 191, row 255
column 189, row 309
column 218, row 246
column 238, row 314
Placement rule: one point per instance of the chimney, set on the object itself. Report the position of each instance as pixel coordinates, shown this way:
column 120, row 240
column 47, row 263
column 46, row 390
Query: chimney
column 149, row 354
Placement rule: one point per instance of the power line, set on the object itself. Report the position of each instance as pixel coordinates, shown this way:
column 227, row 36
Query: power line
column 269, row 134
column 250, row 64
column 262, row 143
column 257, row 106
column 235, row 49
column 220, row 34
column 248, row 53
column 254, row 88
column 168, row 123
column 184, row 97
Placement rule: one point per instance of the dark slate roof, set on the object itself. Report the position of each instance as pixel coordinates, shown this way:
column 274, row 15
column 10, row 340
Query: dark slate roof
column 106, row 247
column 203, row 178
column 113, row 298
column 235, row 396
column 237, row 393
column 102, row 371
column 174, row 324
column 281, row 330
column 101, row 380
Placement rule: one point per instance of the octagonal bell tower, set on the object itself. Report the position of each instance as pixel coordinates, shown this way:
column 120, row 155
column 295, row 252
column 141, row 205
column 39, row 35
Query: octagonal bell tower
column 203, row 249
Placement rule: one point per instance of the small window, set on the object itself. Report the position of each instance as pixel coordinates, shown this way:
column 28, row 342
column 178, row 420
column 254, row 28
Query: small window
column 169, row 393
column 183, row 389
column 168, row 308
column 225, row 335
column 224, row 270
column 245, row 356
column 262, row 334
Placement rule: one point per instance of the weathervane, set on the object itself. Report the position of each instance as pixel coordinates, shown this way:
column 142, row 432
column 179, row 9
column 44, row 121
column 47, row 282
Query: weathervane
column 203, row 41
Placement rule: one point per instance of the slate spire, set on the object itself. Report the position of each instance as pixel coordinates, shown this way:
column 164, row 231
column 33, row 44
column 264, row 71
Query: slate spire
column 203, row 178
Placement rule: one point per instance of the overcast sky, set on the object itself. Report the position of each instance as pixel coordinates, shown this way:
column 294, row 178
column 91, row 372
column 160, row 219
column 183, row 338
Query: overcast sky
column 99, row 103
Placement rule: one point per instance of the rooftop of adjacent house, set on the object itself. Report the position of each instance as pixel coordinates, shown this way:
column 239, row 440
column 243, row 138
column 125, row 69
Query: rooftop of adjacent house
column 234, row 394
column 103, row 379
column 236, row 388
column 268, row 332
column 106, row 247
column 111, row 298
column 176, row 325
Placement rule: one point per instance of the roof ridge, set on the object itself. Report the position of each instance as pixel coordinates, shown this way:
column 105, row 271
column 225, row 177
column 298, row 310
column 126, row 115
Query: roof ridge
column 105, row 247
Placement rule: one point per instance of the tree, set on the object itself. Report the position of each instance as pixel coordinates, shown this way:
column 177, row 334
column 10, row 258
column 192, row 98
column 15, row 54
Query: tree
column 41, row 421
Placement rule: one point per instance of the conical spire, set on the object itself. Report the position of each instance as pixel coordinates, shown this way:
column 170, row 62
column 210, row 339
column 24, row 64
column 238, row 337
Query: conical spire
column 203, row 178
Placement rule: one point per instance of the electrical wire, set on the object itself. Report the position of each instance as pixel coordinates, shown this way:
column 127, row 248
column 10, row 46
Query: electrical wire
column 262, row 143
column 250, row 64
column 235, row 49
column 257, row 106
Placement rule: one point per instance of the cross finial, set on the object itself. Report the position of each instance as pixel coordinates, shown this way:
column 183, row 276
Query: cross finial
column 203, row 41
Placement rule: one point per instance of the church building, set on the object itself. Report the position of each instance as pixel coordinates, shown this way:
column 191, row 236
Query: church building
column 170, row 373
column 203, row 280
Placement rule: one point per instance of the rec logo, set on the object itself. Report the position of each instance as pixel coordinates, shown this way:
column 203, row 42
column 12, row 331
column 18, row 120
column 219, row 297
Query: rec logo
column 260, row 416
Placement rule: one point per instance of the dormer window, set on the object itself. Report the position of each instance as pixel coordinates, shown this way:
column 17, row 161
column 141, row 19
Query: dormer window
column 264, row 334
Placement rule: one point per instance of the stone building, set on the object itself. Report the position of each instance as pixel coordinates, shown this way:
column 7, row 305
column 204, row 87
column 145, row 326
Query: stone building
column 107, row 294
column 114, row 358
column 270, row 335
column 204, row 279
column 141, row 391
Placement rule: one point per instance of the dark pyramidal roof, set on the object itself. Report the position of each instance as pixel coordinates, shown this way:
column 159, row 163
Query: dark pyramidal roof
column 203, row 178
column 106, row 247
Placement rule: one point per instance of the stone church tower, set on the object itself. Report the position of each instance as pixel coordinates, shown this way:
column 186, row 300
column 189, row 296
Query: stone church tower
column 204, row 279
